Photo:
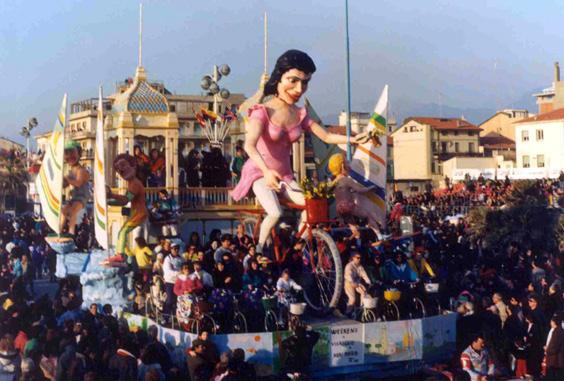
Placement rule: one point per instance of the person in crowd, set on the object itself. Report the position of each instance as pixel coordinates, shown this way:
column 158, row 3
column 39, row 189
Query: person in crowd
column 476, row 360
column 201, row 275
column 237, row 164
column 356, row 280
column 398, row 270
column 286, row 288
column 171, row 268
column 241, row 239
column 143, row 257
column 185, row 284
column 500, row 307
column 298, row 350
column 554, row 350
column 420, row 266
column 535, row 340
column 199, row 367
column 224, row 248
column 158, row 264
column 157, row 169
column 253, row 279
column 143, row 163
column 193, row 163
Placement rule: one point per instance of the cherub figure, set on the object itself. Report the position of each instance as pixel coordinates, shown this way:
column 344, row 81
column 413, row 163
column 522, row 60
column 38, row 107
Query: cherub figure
column 348, row 194
column 77, row 179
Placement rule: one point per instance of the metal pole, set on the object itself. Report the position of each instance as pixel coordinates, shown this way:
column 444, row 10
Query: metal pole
column 215, row 79
column 348, row 64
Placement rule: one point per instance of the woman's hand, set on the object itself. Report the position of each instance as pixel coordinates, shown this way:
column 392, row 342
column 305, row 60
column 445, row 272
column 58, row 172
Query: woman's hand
column 362, row 138
column 272, row 179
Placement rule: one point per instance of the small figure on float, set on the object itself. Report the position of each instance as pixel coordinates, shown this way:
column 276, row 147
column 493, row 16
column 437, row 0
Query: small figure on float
column 77, row 178
column 272, row 127
column 126, row 166
column 348, row 194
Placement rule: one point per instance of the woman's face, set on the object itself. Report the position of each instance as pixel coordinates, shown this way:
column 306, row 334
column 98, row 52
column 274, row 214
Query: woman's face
column 292, row 85
column 254, row 265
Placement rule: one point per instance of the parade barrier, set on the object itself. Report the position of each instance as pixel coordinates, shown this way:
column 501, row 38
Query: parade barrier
column 511, row 173
column 382, row 348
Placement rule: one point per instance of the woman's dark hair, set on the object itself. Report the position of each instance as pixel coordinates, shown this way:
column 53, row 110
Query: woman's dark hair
column 292, row 59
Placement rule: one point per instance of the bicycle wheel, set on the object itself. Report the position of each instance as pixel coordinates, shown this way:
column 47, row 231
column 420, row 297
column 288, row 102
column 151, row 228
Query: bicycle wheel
column 417, row 309
column 368, row 316
column 239, row 323
column 323, row 277
column 270, row 321
column 390, row 311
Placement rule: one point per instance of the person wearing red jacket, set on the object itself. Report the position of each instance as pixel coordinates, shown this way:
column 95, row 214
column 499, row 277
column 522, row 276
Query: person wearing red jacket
column 185, row 284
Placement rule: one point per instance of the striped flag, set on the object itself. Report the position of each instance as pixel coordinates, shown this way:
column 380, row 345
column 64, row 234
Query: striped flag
column 368, row 165
column 49, row 181
column 100, row 204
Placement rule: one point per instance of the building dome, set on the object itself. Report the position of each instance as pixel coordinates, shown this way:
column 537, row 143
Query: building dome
column 141, row 97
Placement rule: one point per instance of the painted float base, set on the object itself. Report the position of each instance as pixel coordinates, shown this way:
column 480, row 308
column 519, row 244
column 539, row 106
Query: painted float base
column 100, row 284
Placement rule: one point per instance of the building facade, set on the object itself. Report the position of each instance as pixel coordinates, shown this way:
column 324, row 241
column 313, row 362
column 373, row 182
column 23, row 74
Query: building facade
column 502, row 123
column 422, row 144
column 540, row 141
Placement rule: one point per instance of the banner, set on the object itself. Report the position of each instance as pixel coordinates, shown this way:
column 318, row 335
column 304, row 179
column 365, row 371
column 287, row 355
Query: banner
column 393, row 341
column 348, row 344
column 49, row 180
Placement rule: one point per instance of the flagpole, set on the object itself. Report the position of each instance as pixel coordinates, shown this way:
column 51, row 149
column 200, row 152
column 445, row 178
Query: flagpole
column 348, row 71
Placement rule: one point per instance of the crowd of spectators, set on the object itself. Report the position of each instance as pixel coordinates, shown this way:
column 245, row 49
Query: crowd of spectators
column 510, row 299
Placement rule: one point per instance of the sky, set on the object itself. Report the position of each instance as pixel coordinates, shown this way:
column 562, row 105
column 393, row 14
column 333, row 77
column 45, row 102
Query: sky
column 460, row 55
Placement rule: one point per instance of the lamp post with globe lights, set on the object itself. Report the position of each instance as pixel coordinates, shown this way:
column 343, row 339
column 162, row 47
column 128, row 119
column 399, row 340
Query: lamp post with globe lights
column 26, row 133
column 210, row 84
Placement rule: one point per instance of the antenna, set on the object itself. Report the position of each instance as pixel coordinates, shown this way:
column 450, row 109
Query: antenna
column 140, row 60
column 265, row 42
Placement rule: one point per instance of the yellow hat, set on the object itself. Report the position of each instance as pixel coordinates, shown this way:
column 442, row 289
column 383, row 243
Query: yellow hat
column 7, row 304
column 336, row 162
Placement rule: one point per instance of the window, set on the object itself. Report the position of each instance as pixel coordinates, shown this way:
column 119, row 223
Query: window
column 525, row 136
column 455, row 133
column 540, row 135
column 172, row 108
column 471, row 133
column 471, row 148
column 540, row 159
column 413, row 129
column 443, row 147
column 456, row 147
column 526, row 161
column 405, row 129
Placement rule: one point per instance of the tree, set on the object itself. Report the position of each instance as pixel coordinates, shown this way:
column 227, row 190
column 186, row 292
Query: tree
column 13, row 179
column 525, row 219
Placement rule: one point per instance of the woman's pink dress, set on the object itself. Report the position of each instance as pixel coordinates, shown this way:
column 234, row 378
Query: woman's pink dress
column 274, row 145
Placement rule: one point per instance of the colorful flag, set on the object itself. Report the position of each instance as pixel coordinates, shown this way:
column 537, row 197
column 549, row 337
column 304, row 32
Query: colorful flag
column 100, row 204
column 368, row 165
column 49, row 181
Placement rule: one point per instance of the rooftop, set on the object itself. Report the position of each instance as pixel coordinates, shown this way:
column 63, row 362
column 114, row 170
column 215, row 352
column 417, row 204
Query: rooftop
column 444, row 123
column 557, row 114
column 493, row 140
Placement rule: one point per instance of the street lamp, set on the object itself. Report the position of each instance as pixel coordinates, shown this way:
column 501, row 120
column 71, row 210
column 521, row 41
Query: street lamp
column 26, row 132
column 210, row 84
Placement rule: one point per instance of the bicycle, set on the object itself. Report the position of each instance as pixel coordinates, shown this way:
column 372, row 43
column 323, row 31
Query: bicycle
column 365, row 312
column 238, row 320
column 270, row 305
column 432, row 300
column 389, row 308
column 325, row 280
column 411, row 304
column 193, row 314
